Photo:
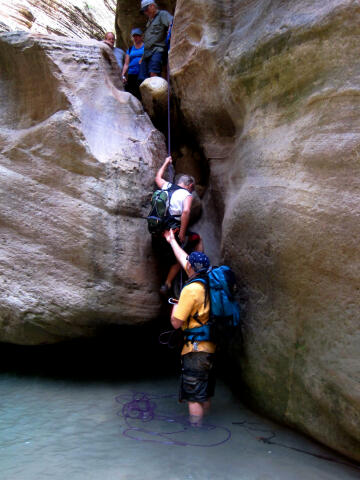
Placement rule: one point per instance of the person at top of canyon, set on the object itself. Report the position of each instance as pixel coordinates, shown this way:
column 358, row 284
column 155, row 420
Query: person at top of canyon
column 179, row 210
column 155, row 48
column 197, row 381
column 109, row 39
column 130, row 72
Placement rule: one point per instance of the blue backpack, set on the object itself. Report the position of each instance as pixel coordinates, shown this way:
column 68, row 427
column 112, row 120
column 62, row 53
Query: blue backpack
column 225, row 313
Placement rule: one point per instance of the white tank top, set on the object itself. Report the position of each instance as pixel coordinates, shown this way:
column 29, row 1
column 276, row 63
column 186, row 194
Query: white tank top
column 176, row 206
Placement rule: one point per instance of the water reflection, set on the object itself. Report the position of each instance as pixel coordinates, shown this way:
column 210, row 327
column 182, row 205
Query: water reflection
column 100, row 411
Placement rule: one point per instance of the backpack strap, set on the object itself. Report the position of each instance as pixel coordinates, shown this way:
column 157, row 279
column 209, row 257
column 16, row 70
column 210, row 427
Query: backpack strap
column 196, row 279
column 196, row 318
column 173, row 188
column 204, row 279
column 202, row 332
column 198, row 334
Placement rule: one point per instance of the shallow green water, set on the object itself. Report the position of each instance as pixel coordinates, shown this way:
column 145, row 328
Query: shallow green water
column 63, row 429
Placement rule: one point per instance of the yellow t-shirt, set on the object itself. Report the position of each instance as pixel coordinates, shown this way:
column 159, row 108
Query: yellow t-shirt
column 191, row 301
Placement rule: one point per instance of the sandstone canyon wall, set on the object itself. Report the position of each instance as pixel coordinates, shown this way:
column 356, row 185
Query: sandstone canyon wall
column 69, row 18
column 77, row 160
column 272, row 90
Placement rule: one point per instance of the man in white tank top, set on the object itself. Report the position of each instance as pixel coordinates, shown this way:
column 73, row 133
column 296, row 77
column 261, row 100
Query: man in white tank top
column 179, row 208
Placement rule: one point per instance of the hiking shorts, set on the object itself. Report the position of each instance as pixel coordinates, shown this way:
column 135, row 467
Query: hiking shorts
column 197, row 381
column 152, row 64
column 191, row 241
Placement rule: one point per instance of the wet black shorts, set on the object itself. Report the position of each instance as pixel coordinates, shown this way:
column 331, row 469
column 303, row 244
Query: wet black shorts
column 197, row 381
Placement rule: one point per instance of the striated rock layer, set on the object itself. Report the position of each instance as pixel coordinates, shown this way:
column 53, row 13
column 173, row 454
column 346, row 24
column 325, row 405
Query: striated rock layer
column 70, row 18
column 77, row 161
column 272, row 90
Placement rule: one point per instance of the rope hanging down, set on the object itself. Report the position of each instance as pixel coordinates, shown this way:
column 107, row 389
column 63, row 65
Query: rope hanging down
column 171, row 167
column 169, row 123
column 168, row 42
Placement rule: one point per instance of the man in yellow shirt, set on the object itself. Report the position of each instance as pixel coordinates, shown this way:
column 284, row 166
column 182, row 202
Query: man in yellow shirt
column 191, row 314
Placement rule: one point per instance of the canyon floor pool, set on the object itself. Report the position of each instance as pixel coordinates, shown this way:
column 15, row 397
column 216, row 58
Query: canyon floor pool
column 72, row 430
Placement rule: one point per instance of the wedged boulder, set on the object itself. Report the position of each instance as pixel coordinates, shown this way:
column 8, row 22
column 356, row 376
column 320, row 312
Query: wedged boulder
column 154, row 95
column 69, row 18
column 272, row 90
column 77, row 157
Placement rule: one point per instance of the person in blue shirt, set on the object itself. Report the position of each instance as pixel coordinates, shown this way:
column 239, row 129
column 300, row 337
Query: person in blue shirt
column 130, row 72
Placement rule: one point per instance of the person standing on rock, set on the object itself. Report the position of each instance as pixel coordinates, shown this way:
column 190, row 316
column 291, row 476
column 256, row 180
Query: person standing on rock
column 155, row 49
column 197, row 381
column 119, row 54
column 130, row 72
column 179, row 210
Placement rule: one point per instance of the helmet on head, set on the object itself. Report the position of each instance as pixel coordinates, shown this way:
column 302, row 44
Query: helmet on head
column 199, row 261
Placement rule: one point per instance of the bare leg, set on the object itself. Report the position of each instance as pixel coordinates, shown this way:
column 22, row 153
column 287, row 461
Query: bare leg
column 197, row 410
column 174, row 270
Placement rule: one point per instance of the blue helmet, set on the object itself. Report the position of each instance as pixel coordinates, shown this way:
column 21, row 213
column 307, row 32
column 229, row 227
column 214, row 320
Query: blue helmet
column 199, row 261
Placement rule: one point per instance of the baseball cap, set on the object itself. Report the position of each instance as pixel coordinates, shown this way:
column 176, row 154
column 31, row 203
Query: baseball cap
column 136, row 31
column 199, row 261
column 146, row 3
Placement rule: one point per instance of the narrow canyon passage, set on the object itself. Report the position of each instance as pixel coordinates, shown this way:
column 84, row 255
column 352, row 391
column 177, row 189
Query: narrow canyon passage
column 265, row 116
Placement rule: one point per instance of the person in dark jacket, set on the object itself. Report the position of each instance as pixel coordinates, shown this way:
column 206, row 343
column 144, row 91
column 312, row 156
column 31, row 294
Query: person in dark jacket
column 155, row 48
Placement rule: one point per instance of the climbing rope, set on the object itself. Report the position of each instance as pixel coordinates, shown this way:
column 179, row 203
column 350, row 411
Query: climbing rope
column 172, row 338
column 254, row 428
column 171, row 166
column 145, row 422
column 169, row 120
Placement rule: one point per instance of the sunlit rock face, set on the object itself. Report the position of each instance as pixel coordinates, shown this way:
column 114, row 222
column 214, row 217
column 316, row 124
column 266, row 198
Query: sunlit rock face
column 70, row 18
column 272, row 90
column 77, row 157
